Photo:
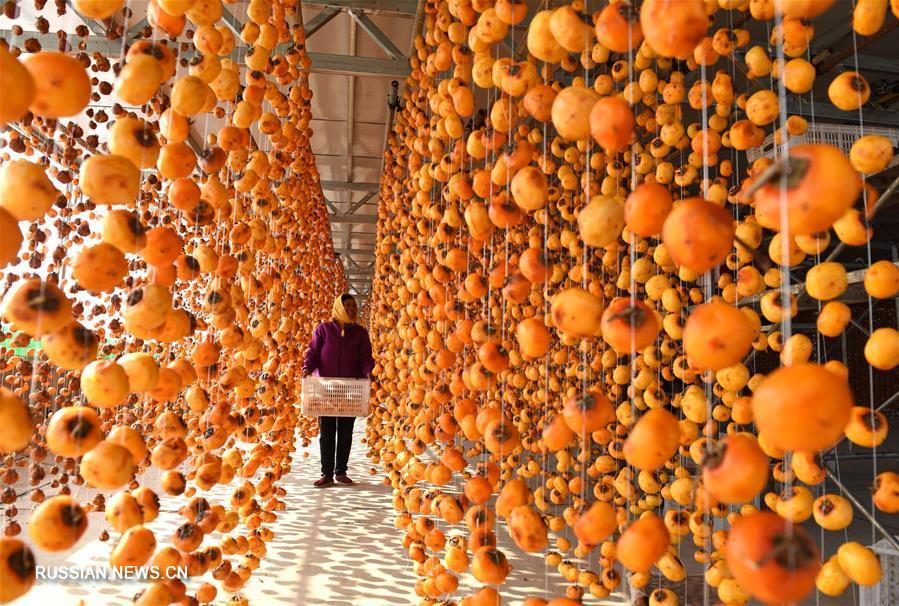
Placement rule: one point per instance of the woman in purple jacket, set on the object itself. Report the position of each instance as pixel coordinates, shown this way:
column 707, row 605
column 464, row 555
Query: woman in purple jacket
column 339, row 348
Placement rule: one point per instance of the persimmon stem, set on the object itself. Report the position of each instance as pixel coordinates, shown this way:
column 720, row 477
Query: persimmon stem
column 790, row 170
column 761, row 260
column 634, row 314
column 789, row 551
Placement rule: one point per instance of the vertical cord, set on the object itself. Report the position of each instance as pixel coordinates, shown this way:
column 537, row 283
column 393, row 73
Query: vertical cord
column 785, row 242
column 870, row 304
column 707, row 281
column 629, row 392
column 821, row 352
column 546, row 310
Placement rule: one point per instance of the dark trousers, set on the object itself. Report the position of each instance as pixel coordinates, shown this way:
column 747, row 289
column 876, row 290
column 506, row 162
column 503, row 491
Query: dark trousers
column 340, row 428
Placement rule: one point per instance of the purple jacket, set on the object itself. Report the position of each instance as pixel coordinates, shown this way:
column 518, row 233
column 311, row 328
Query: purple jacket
column 332, row 355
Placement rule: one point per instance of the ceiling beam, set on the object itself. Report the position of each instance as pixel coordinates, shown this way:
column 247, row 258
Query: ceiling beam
column 872, row 63
column 347, row 186
column 369, row 265
column 374, row 32
column 331, row 207
column 357, row 205
column 353, row 218
column 46, row 142
column 194, row 145
column 97, row 28
column 829, row 112
column 323, row 63
column 826, row 40
column 321, row 119
column 396, row 7
column 355, row 156
column 347, row 235
column 320, row 20
column 92, row 44
column 232, row 22
column 833, row 59
column 139, row 25
column 354, row 251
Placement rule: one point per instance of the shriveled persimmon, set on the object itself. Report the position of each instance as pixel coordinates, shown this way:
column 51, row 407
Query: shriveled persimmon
column 528, row 529
column 489, row 565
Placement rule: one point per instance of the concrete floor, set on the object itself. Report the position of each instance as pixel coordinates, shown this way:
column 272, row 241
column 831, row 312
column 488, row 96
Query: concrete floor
column 335, row 546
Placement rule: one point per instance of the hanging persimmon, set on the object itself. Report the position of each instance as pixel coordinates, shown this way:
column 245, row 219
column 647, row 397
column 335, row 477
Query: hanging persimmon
column 775, row 562
column 735, row 470
column 802, row 407
column 717, row 335
column 698, row 234
column 815, row 185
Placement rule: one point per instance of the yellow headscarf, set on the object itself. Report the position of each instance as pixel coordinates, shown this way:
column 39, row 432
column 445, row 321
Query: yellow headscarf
column 339, row 313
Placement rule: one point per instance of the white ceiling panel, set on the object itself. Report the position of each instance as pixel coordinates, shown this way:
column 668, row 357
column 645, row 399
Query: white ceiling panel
column 329, row 93
column 369, row 140
column 371, row 99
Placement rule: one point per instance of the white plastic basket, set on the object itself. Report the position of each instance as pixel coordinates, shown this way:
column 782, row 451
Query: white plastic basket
column 886, row 592
column 838, row 135
column 327, row 397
